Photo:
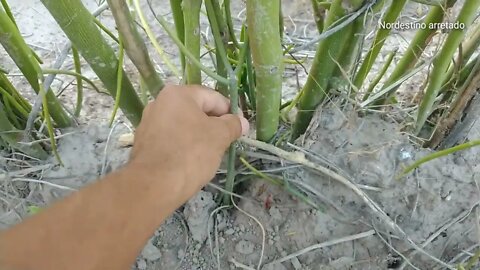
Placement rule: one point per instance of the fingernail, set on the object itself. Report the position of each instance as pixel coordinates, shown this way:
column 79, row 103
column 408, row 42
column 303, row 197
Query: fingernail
column 245, row 125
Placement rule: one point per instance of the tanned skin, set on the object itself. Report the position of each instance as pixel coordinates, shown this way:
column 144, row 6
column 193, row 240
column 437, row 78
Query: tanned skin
column 178, row 147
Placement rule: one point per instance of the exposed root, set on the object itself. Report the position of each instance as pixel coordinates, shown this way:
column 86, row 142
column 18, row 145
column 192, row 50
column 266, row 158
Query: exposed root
column 299, row 158
column 323, row 245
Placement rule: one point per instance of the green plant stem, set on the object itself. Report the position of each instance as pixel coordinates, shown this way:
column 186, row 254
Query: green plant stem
column 438, row 154
column 450, row 87
column 152, row 37
column 189, row 56
column 231, row 171
column 79, row 26
column 14, row 119
column 135, row 46
column 8, row 11
column 105, row 29
column 10, row 135
column 233, row 87
column 251, row 79
column 121, row 55
column 380, row 75
column 178, row 19
column 267, row 53
column 454, row 71
column 220, row 35
column 78, row 69
column 442, row 61
column 318, row 15
column 229, row 21
column 324, row 64
column 8, row 86
column 23, row 56
column 72, row 73
column 414, row 51
column 11, row 100
column 390, row 17
column 49, row 125
column 221, row 38
column 349, row 51
column 191, row 10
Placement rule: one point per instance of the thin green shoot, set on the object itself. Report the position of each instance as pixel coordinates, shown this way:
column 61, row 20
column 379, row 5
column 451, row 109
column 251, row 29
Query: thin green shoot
column 72, row 73
column 153, row 39
column 380, row 75
column 78, row 69
column 187, row 53
column 48, row 122
column 121, row 55
column 438, row 154
column 105, row 29
column 233, row 87
column 10, row 113
column 14, row 102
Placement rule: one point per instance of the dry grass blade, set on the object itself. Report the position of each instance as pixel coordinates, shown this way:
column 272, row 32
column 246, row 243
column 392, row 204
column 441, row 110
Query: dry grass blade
column 299, row 158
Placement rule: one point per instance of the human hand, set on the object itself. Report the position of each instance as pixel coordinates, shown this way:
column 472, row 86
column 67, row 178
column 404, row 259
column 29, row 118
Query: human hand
column 183, row 135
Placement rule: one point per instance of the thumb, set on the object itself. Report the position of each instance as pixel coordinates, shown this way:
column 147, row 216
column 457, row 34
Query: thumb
column 231, row 127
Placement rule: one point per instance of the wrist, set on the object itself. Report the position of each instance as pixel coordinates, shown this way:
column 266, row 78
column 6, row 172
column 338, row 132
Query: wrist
column 166, row 186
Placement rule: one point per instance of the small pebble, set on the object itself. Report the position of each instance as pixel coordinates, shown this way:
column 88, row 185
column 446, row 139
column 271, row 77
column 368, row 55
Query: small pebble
column 141, row 264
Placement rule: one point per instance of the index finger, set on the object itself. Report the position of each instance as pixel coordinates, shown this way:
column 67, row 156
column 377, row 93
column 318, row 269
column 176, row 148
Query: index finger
column 208, row 100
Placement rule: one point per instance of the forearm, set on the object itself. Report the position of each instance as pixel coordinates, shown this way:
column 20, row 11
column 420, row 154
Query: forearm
column 103, row 226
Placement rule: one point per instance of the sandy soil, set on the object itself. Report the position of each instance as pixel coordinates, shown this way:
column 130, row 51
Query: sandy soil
column 436, row 207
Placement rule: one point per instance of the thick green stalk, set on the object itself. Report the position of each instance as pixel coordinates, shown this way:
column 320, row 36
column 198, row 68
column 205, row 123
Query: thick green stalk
column 349, row 48
column 135, row 46
column 324, row 64
column 79, row 26
column 8, row 11
column 442, row 61
column 390, row 17
column 10, row 135
column 415, row 50
column 191, row 11
column 23, row 56
column 178, row 19
column 267, row 55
